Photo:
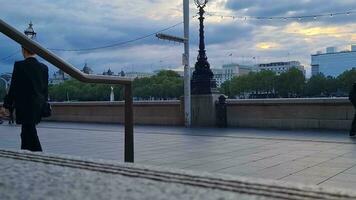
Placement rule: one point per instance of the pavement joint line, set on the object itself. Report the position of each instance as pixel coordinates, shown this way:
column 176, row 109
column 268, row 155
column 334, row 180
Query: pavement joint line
column 247, row 148
column 311, row 166
column 273, row 191
column 207, row 135
column 236, row 150
column 336, row 174
column 288, row 161
column 220, row 159
column 245, row 163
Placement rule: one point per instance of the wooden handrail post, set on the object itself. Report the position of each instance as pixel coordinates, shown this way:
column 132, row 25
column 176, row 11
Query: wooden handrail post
column 129, row 137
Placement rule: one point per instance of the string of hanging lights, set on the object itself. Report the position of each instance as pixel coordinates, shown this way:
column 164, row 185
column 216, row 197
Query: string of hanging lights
column 285, row 18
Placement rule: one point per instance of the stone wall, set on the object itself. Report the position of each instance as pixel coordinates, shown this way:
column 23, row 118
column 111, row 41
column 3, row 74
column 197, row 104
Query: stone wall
column 150, row 113
column 335, row 114
column 319, row 113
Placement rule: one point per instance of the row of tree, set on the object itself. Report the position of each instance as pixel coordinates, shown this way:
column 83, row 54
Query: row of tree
column 289, row 84
column 164, row 85
column 169, row 85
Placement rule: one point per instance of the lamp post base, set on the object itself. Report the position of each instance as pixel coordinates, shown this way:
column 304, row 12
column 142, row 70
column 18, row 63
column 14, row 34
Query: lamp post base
column 204, row 110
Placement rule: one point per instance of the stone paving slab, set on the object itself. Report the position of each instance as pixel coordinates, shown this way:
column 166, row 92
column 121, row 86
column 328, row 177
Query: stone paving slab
column 312, row 157
column 26, row 175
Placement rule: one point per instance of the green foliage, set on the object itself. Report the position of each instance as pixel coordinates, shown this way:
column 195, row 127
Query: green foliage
column 257, row 83
column 74, row 90
column 225, row 88
column 319, row 85
column 291, row 83
column 267, row 83
column 346, row 80
column 164, row 85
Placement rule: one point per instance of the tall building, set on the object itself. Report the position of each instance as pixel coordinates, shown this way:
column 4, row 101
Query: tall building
column 333, row 63
column 229, row 71
column 281, row 67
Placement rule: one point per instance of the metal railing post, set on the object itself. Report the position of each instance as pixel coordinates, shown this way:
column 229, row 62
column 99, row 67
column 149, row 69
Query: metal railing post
column 129, row 137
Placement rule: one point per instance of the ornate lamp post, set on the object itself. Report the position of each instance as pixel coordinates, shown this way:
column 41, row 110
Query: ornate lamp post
column 29, row 32
column 202, row 81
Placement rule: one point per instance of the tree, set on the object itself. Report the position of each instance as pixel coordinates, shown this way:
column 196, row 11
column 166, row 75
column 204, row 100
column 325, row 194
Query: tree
column 316, row 85
column 291, row 83
column 74, row 90
column 225, row 88
column 262, row 83
column 346, row 80
column 165, row 85
column 319, row 85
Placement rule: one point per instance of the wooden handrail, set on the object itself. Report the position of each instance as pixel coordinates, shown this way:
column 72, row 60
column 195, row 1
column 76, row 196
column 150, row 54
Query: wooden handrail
column 55, row 60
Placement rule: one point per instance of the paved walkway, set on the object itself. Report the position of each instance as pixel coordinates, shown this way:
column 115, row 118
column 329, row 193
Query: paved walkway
column 311, row 157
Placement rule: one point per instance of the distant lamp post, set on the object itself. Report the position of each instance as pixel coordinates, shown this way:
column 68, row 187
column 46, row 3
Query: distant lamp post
column 203, row 78
column 30, row 32
column 112, row 97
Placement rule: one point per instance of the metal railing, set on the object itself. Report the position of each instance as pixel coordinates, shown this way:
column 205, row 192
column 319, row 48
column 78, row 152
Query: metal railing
column 55, row 60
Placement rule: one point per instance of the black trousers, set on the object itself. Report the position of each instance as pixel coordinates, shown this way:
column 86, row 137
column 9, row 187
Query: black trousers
column 29, row 138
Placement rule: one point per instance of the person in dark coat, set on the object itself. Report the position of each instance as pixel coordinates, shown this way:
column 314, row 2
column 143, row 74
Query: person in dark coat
column 28, row 94
column 352, row 98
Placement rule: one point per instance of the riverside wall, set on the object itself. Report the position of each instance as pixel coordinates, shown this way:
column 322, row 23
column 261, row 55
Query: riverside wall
column 314, row 113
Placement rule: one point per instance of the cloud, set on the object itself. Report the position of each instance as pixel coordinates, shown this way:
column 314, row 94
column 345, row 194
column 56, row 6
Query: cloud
column 267, row 45
column 91, row 23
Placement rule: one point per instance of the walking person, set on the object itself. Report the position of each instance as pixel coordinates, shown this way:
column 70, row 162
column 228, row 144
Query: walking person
column 28, row 95
column 352, row 98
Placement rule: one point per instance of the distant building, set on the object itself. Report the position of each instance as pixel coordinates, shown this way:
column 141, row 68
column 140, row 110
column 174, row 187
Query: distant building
column 280, row 67
column 138, row 74
column 86, row 69
column 109, row 73
column 58, row 77
column 229, row 71
column 122, row 73
column 333, row 63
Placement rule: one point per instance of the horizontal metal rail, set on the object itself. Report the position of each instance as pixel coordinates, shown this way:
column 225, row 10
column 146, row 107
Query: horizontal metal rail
column 55, row 60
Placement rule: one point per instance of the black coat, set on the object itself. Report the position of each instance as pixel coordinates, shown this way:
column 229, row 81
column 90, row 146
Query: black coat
column 28, row 90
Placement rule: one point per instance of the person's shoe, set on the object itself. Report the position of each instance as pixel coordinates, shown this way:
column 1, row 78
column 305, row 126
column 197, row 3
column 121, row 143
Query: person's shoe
column 352, row 133
column 1, row 121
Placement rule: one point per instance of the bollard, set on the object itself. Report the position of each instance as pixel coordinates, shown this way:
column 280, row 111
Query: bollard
column 221, row 115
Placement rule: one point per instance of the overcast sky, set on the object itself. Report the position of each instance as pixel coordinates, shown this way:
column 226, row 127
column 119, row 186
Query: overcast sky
column 69, row 24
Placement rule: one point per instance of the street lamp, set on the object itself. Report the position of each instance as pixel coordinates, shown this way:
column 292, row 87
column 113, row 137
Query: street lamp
column 203, row 78
column 185, row 61
column 29, row 32
column 201, row 3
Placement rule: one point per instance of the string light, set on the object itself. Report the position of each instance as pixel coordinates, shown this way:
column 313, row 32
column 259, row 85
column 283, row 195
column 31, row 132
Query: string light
column 285, row 18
